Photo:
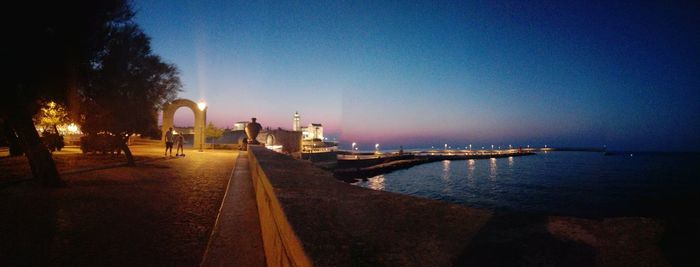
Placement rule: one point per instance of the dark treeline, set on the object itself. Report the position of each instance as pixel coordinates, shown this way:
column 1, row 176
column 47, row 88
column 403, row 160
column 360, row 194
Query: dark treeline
column 89, row 56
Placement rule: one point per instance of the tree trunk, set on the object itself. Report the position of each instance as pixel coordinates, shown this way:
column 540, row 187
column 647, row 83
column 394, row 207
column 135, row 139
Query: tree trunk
column 12, row 140
column 127, row 152
column 40, row 160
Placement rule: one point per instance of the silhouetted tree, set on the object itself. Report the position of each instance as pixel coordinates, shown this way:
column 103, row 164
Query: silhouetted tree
column 50, row 47
column 127, row 87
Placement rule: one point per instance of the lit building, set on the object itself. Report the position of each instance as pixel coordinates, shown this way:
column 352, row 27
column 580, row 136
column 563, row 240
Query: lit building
column 239, row 126
column 312, row 137
column 312, row 132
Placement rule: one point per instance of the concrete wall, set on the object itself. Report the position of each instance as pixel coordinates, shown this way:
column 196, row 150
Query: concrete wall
column 309, row 218
column 282, row 246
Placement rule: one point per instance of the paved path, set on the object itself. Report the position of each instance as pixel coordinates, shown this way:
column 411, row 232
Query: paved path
column 236, row 239
column 160, row 213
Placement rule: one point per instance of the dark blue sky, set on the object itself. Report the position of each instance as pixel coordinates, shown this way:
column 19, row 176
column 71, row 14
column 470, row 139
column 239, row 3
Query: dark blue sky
column 428, row 73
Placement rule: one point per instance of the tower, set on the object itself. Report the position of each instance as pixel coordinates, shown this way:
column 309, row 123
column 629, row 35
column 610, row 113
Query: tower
column 297, row 122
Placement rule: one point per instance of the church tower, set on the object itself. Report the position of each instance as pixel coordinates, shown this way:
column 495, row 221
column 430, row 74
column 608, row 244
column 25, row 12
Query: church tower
column 297, row 122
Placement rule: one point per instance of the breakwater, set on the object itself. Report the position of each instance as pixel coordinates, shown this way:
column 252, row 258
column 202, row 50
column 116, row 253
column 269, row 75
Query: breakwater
column 353, row 166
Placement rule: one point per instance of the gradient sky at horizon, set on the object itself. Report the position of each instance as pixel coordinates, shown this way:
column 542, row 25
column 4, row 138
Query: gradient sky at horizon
column 625, row 75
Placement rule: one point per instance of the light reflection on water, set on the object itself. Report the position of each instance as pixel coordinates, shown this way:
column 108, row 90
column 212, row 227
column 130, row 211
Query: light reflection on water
column 446, row 176
column 567, row 183
column 446, row 170
column 471, row 166
column 376, row 182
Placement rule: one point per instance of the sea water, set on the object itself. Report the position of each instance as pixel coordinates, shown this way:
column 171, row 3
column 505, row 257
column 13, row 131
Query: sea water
column 585, row 184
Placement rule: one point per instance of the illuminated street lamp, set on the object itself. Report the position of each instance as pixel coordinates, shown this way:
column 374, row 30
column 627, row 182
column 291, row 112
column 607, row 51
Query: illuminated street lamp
column 353, row 146
column 470, row 146
column 491, row 147
column 376, row 147
column 201, row 105
column 445, row 146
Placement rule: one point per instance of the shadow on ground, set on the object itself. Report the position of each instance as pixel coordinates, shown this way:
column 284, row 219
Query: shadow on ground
column 510, row 239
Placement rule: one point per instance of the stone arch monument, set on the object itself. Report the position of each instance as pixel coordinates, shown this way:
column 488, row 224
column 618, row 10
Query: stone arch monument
column 200, row 117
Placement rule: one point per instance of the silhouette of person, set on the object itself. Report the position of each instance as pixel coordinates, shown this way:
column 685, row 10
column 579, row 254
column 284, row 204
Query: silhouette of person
column 179, row 140
column 169, row 141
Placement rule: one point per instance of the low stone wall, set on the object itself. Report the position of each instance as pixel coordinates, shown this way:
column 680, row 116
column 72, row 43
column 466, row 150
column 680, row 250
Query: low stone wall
column 309, row 218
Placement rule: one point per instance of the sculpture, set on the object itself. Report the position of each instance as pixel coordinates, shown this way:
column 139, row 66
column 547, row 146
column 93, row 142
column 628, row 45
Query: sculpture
column 252, row 130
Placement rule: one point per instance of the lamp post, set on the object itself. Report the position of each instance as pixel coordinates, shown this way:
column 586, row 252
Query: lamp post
column 353, row 147
column 201, row 105
column 376, row 148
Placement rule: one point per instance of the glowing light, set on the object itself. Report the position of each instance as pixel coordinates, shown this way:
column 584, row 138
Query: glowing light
column 202, row 105
column 72, row 128
column 376, row 183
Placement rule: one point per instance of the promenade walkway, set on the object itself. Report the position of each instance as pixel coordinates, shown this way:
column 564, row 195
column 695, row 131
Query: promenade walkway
column 159, row 213
column 236, row 238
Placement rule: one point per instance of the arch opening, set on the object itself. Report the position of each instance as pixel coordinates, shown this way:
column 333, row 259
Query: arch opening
column 200, row 117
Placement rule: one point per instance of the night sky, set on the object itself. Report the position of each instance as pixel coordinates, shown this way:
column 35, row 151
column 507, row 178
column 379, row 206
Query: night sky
column 428, row 73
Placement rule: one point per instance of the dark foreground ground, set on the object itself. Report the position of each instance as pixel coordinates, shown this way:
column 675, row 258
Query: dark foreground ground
column 513, row 239
column 159, row 213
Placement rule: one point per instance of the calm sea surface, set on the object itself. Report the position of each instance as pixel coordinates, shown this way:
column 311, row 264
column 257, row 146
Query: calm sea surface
column 583, row 184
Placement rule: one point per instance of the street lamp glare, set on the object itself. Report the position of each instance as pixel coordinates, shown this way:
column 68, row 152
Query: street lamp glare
column 201, row 105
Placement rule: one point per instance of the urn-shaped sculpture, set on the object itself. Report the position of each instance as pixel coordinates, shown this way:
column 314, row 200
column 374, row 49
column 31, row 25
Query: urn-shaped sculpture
column 252, row 130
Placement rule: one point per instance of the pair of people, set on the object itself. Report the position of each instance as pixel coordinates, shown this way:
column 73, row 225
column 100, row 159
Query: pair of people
column 170, row 139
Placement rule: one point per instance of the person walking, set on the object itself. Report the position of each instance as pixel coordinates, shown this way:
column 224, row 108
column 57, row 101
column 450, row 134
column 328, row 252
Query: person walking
column 179, row 140
column 169, row 141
